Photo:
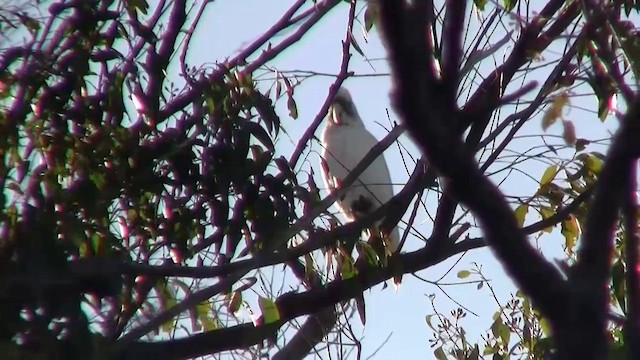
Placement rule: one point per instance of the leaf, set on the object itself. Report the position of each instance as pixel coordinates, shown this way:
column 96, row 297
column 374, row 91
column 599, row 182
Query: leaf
column 521, row 213
column 293, row 108
column 360, row 306
column 247, row 283
column 463, row 274
column 371, row 16
column 208, row 323
column 546, row 213
column 140, row 5
column 308, row 266
column 495, row 327
column 347, row 270
column 480, row 4
column 570, row 231
column 259, row 133
column 235, row 300
column 548, row 175
column 554, row 112
column 269, row 310
column 545, row 326
column 594, row 163
column 569, row 133
column 365, row 249
column 439, row 354
column 505, row 334
column 354, row 43
column 618, row 288
column 509, row 4
column 581, row 144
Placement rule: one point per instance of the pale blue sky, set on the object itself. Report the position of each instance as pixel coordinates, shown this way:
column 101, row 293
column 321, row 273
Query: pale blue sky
column 231, row 24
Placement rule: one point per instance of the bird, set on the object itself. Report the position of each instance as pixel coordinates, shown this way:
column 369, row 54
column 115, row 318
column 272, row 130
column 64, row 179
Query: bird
column 345, row 142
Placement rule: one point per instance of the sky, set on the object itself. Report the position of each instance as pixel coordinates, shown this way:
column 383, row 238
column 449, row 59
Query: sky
column 229, row 25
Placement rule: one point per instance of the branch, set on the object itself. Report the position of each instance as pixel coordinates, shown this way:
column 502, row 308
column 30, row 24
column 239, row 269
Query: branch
column 631, row 241
column 452, row 32
column 319, row 324
column 290, row 306
column 342, row 75
column 321, row 9
column 430, row 127
column 590, row 277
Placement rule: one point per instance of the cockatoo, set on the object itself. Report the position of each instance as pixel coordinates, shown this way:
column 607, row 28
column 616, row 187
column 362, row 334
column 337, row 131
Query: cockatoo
column 345, row 142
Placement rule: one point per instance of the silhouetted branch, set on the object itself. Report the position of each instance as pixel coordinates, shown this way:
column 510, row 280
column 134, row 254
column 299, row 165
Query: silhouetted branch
column 431, row 128
column 632, row 255
column 590, row 277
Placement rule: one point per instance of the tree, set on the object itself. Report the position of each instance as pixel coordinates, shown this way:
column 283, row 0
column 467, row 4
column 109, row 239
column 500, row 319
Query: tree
column 137, row 201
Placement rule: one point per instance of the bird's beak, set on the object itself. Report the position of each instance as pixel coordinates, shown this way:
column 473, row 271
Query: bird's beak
column 335, row 112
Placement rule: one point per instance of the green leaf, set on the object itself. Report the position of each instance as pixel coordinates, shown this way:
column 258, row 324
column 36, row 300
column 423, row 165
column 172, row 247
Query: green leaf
column 509, row 4
column 208, row 323
column 570, row 231
column 140, row 5
column 365, row 249
column 521, row 213
column 462, row 274
column 480, row 4
column 546, row 213
column 269, row 310
column 370, row 16
column 548, row 175
column 439, row 354
column 594, row 163
column 347, row 270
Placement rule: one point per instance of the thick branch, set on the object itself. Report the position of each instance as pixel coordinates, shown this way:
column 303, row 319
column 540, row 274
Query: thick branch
column 406, row 45
column 590, row 277
column 290, row 306
column 630, row 212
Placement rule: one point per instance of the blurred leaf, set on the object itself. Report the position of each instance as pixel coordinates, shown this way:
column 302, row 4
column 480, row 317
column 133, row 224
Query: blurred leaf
column 371, row 15
column 463, row 274
column 509, row 4
column 269, row 310
column 569, row 133
column 140, row 5
column 354, row 43
column 234, row 301
column 554, row 112
column 618, row 286
column 439, row 354
column 546, row 213
column 548, row 175
column 521, row 213
column 480, row 4
column 570, row 231
column 202, row 310
column 293, row 108
column 347, row 268
column 260, row 133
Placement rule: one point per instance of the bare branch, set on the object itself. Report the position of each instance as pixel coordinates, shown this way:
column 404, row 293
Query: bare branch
column 430, row 127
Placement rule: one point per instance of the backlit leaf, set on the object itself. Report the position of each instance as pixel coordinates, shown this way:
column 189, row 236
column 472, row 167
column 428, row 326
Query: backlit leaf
column 521, row 213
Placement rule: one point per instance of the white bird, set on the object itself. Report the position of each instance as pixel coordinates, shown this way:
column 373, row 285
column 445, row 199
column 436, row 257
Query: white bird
column 345, row 142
